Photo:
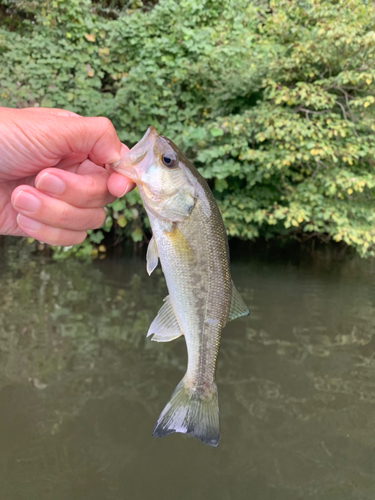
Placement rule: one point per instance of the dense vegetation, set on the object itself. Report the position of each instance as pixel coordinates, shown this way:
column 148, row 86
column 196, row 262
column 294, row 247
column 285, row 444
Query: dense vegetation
column 273, row 101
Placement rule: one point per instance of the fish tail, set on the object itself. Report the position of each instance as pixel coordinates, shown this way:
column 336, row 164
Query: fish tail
column 191, row 411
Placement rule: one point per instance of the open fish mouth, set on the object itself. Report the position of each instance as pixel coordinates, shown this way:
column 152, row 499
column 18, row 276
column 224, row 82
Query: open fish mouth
column 138, row 158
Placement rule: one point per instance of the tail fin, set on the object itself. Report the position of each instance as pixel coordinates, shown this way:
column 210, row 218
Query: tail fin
column 191, row 412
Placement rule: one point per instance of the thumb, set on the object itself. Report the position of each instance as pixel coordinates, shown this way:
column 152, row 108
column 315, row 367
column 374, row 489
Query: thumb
column 118, row 185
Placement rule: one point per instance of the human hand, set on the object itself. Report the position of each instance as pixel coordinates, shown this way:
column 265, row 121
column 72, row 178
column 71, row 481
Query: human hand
column 54, row 181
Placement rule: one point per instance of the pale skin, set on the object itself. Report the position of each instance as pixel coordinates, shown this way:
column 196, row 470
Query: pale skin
column 54, row 174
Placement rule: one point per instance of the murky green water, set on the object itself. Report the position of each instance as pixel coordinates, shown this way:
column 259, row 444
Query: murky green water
column 81, row 387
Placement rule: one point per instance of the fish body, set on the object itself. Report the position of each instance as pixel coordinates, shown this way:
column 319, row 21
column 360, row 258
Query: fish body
column 190, row 240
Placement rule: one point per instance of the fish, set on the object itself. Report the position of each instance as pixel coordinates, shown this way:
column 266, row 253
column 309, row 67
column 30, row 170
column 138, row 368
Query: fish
column 190, row 241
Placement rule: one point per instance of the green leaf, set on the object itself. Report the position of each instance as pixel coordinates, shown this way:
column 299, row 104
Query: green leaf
column 137, row 235
column 121, row 221
column 96, row 237
column 216, row 132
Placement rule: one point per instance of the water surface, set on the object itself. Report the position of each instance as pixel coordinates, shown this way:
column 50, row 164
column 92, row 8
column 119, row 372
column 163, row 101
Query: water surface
column 81, row 387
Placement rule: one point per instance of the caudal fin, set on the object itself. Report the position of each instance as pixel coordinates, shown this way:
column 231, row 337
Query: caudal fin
column 191, row 412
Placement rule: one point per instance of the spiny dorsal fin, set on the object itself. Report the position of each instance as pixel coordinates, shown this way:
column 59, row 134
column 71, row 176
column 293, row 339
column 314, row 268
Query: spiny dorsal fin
column 165, row 328
column 152, row 256
column 237, row 305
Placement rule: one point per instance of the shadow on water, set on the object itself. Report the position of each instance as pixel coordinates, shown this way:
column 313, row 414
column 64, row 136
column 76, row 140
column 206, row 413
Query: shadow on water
column 81, row 387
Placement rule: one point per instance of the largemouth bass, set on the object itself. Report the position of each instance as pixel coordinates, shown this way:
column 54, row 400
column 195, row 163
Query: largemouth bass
column 190, row 240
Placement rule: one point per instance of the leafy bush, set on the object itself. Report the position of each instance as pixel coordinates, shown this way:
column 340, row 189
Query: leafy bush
column 272, row 101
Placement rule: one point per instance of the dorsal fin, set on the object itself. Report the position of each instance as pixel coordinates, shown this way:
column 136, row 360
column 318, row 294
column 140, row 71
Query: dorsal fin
column 237, row 305
column 165, row 328
column 152, row 256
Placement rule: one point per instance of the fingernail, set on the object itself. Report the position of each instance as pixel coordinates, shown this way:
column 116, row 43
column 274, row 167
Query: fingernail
column 27, row 223
column 50, row 184
column 128, row 188
column 27, row 201
column 114, row 164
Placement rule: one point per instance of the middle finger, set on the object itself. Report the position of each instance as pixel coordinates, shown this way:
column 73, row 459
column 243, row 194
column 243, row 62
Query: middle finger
column 82, row 191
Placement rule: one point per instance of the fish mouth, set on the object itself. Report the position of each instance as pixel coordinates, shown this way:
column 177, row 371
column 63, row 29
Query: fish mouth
column 138, row 158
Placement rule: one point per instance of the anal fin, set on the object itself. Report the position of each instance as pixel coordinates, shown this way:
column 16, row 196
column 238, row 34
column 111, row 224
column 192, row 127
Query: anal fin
column 165, row 328
column 237, row 305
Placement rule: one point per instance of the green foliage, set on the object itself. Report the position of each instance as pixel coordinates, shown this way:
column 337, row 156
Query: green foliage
column 273, row 102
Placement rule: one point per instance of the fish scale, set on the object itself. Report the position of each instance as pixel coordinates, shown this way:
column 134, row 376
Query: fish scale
column 190, row 240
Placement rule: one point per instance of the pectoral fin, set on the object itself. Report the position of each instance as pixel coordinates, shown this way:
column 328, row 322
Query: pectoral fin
column 237, row 305
column 152, row 256
column 180, row 245
column 165, row 328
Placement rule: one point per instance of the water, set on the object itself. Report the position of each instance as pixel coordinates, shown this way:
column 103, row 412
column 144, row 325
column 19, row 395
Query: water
column 81, row 387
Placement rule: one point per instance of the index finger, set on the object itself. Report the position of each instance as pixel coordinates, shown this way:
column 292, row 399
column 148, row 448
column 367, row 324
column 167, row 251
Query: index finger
column 53, row 136
column 53, row 111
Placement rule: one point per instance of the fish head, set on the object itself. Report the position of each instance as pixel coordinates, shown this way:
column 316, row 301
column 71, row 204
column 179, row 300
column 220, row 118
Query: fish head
column 158, row 168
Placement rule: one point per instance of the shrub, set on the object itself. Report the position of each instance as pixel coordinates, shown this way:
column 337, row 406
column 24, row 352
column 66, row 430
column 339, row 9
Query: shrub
column 272, row 101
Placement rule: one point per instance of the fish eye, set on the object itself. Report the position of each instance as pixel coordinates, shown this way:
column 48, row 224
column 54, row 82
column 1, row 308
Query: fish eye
column 169, row 159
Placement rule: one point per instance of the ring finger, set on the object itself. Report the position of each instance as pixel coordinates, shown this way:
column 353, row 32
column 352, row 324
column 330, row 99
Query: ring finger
column 40, row 207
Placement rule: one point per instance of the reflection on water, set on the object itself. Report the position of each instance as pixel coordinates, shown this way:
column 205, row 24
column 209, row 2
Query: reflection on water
column 81, row 387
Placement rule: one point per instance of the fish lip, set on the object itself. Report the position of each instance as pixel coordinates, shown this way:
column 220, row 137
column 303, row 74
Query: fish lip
column 129, row 164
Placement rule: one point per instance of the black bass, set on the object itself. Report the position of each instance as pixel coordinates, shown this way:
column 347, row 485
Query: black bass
column 190, row 240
